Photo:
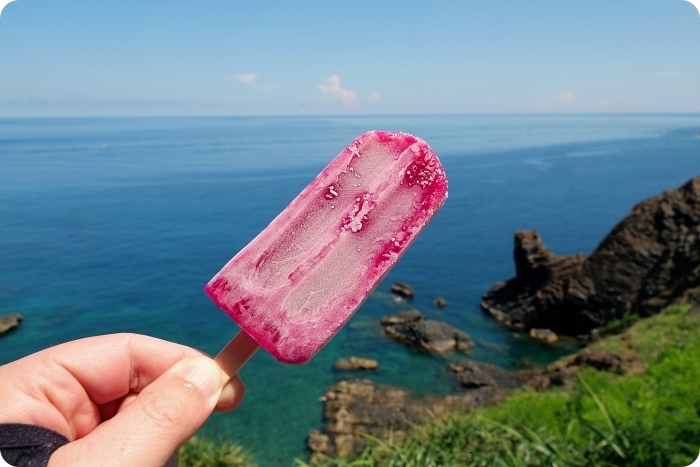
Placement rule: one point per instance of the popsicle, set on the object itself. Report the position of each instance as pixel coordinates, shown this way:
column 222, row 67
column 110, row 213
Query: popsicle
column 299, row 281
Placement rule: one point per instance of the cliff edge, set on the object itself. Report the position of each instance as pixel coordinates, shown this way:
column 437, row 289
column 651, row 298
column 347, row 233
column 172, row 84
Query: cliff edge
column 649, row 260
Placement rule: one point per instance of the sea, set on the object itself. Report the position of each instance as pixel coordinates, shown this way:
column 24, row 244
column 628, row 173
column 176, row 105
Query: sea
column 115, row 224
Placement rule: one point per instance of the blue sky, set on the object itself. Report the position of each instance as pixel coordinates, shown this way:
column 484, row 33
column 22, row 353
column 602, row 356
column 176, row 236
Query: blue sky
column 264, row 57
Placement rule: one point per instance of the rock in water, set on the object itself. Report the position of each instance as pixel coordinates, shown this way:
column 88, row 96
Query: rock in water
column 474, row 374
column 9, row 322
column 356, row 363
column 403, row 289
column 430, row 335
column 545, row 336
column 649, row 260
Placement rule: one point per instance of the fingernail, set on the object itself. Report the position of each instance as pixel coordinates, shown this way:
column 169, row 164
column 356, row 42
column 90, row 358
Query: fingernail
column 202, row 373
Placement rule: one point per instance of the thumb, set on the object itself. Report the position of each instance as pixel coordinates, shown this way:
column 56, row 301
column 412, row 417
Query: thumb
column 164, row 415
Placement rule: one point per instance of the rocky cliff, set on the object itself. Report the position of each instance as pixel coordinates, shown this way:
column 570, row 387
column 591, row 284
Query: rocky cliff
column 649, row 260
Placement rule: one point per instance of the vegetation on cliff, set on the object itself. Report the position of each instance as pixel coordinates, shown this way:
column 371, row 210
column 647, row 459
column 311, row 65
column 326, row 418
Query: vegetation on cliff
column 200, row 452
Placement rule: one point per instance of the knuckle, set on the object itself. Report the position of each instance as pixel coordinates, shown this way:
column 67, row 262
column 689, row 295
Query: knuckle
column 165, row 410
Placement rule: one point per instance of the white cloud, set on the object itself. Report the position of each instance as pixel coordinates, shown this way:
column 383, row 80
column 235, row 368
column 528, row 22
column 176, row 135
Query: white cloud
column 567, row 97
column 332, row 88
column 251, row 79
column 373, row 96
column 247, row 78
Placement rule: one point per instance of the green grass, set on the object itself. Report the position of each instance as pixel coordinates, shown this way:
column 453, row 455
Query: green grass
column 649, row 419
column 201, row 452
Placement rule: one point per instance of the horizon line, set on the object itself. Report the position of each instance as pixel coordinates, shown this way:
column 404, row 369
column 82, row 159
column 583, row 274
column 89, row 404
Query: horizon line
column 369, row 115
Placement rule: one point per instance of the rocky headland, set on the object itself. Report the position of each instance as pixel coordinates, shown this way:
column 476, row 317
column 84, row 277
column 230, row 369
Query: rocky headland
column 648, row 261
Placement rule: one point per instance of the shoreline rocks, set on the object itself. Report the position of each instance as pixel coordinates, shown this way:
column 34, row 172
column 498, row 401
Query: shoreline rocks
column 411, row 328
column 545, row 336
column 405, row 316
column 564, row 371
column 356, row 363
column 649, row 260
column 403, row 290
column 9, row 322
column 354, row 408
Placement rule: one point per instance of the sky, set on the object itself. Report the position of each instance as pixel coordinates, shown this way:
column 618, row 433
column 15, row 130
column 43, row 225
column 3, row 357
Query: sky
column 311, row 57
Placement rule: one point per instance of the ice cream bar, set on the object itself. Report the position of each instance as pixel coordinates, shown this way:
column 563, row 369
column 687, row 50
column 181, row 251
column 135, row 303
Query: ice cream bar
column 297, row 283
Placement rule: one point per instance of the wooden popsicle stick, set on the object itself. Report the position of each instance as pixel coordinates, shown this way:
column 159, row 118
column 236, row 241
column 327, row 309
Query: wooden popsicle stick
column 235, row 354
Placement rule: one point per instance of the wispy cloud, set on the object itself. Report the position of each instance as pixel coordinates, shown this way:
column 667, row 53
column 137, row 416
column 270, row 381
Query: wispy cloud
column 251, row 79
column 333, row 89
column 373, row 96
column 566, row 97
column 247, row 78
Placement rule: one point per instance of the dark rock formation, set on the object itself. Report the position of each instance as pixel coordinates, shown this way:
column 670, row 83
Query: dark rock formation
column 649, row 260
column 353, row 407
column 430, row 335
column 9, row 322
column 357, row 407
column 440, row 302
column 402, row 289
column 565, row 371
column 471, row 374
column 491, row 380
column 356, row 363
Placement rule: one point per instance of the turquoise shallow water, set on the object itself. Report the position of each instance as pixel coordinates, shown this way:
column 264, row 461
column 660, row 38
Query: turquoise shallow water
column 114, row 225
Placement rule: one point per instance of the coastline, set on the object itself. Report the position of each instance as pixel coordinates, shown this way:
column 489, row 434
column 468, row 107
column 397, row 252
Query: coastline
column 640, row 246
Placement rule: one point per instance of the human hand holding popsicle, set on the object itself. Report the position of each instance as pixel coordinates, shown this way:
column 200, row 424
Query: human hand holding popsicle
column 119, row 400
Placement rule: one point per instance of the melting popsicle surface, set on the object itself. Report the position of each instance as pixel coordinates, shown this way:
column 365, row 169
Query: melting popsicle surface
column 297, row 283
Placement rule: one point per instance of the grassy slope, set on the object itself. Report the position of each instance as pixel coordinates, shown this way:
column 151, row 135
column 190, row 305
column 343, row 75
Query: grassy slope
column 648, row 419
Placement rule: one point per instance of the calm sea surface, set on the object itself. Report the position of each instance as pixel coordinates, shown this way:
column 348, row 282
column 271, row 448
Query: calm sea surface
column 115, row 225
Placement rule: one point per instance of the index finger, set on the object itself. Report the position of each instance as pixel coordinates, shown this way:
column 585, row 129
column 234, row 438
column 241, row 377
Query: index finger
column 111, row 366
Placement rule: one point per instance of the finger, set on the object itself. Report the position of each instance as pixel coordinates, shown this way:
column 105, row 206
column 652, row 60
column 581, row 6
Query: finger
column 155, row 424
column 112, row 366
column 232, row 395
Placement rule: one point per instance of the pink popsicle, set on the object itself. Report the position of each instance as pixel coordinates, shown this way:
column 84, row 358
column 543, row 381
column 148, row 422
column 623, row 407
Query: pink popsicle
column 299, row 281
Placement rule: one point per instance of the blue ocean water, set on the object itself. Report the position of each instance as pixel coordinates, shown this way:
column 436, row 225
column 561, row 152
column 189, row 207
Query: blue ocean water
column 115, row 225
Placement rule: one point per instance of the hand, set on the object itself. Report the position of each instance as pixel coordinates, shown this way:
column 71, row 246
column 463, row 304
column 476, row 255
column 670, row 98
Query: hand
column 121, row 399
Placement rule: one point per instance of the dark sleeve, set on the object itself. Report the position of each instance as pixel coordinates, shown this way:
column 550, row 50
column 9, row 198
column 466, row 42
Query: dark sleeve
column 28, row 445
